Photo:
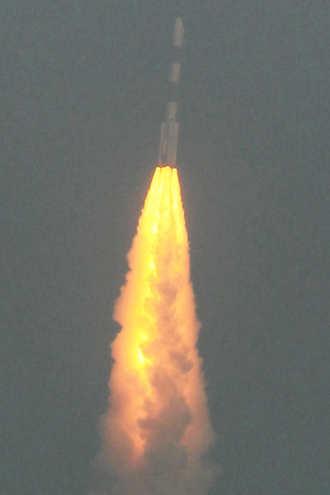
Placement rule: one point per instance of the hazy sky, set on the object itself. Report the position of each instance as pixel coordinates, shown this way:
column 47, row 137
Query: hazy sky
column 82, row 94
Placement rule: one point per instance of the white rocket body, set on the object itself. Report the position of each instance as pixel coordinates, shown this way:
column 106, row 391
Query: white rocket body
column 169, row 128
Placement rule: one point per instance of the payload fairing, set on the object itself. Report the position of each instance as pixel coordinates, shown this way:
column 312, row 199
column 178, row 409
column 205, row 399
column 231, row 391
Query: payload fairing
column 169, row 128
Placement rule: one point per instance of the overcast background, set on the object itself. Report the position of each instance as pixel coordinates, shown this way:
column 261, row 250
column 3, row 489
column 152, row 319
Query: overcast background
column 83, row 92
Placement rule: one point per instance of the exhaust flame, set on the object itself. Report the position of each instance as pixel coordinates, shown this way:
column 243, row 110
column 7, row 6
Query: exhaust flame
column 156, row 433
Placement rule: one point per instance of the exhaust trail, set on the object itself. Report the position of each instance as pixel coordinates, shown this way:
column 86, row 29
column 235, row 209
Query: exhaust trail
column 156, row 433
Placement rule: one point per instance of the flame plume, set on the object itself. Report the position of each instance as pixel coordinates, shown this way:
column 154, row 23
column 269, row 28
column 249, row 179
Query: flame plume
column 157, row 433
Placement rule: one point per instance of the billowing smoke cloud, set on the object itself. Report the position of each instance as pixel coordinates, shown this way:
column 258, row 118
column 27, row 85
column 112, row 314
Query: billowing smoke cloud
column 156, row 433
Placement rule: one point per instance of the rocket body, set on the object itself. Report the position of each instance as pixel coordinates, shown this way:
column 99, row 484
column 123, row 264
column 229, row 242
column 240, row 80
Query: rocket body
column 169, row 128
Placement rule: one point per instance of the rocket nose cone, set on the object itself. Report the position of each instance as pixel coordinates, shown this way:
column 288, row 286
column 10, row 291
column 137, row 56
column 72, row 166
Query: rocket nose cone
column 178, row 33
column 178, row 24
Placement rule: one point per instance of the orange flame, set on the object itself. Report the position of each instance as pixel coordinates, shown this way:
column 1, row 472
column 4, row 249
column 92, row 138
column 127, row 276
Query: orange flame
column 158, row 417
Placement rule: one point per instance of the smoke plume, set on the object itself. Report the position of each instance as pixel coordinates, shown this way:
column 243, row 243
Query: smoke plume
column 156, row 433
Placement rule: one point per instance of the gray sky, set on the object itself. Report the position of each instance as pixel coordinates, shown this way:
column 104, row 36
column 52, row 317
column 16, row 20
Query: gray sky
column 83, row 91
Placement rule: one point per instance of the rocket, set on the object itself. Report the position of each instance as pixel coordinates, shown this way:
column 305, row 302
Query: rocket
column 169, row 128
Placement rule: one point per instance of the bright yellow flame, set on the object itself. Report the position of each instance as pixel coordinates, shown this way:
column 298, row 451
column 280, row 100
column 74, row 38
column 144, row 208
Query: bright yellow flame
column 157, row 393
